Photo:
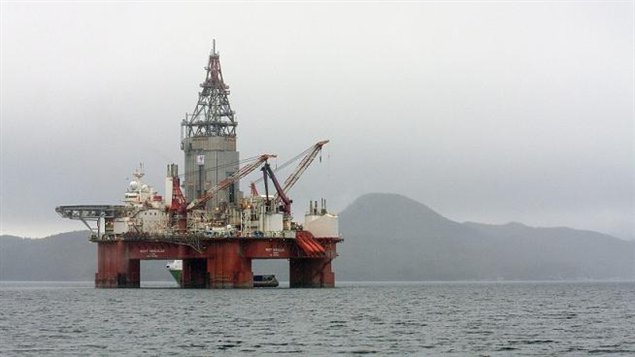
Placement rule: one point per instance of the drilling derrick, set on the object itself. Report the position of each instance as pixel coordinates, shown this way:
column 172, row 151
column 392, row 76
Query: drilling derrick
column 208, row 140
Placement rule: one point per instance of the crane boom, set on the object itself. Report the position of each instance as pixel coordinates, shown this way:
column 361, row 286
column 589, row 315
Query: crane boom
column 242, row 172
column 279, row 192
column 302, row 166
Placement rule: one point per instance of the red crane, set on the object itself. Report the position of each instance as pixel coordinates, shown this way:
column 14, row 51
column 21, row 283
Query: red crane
column 286, row 202
column 309, row 155
column 302, row 166
column 178, row 209
column 242, row 172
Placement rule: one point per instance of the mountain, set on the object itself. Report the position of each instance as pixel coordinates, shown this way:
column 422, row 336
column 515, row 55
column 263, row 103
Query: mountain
column 386, row 237
column 61, row 257
column 391, row 237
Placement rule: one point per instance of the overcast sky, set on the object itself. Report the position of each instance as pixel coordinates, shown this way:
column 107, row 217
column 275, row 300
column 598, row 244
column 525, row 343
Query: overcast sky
column 485, row 111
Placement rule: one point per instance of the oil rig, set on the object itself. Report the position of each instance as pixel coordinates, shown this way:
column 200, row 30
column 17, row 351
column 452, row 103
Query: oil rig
column 205, row 220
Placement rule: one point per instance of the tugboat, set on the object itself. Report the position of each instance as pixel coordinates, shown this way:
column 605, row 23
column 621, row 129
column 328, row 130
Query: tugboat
column 265, row 281
column 175, row 268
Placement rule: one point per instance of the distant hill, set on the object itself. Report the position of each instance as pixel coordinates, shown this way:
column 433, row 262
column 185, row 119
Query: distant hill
column 391, row 237
column 387, row 237
column 61, row 257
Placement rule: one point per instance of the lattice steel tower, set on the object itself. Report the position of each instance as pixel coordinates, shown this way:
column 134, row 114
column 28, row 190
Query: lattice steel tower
column 208, row 139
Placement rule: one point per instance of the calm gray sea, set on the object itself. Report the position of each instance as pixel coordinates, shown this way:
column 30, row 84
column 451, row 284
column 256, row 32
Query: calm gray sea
column 384, row 318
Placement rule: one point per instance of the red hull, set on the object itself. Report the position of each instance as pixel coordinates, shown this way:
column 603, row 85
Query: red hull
column 218, row 263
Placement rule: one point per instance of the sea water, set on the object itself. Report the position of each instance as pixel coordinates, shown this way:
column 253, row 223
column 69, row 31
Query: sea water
column 527, row 318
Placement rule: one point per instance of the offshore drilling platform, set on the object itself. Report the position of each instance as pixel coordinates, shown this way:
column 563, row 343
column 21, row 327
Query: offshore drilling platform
column 205, row 221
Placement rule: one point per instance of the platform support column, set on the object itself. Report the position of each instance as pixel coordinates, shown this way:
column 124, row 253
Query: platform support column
column 228, row 267
column 311, row 273
column 114, row 267
column 194, row 273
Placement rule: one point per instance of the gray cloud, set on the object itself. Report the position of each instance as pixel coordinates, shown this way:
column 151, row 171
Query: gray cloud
column 485, row 111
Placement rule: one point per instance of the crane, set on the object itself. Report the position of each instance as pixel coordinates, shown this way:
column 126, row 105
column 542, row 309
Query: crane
column 179, row 209
column 286, row 202
column 302, row 166
column 310, row 155
column 242, row 172
column 305, row 239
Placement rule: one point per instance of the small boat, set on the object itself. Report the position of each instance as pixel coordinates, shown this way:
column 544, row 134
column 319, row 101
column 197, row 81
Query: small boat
column 175, row 268
column 265, row 281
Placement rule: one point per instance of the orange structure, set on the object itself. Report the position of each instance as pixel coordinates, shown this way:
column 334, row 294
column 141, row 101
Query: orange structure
column 204, row 219
column 218, row 263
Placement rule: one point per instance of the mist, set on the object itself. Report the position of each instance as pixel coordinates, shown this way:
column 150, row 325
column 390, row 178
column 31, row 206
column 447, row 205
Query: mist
column 486, row 111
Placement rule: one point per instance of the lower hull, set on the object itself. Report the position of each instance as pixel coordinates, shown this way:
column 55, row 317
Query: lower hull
column 214, row 264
